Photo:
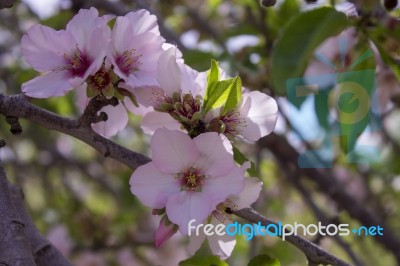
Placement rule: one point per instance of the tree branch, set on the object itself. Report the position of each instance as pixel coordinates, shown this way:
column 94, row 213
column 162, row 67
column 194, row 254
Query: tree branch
column 43, row 252
column 327, row 183
column 315, row 254
column 19, row 106
column 14, row 248
column 6, row 3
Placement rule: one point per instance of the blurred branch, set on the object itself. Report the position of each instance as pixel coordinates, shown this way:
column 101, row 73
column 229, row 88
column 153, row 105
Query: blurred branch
column 318, row 213
column 327, row 184
column 315, row 254
column 19, row 106
column 6, row 3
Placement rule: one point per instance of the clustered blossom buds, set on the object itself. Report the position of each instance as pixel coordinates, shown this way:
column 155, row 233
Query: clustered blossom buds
column 193, row 117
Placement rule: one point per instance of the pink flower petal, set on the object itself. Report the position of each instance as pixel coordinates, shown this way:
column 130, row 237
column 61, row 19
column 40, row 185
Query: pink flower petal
column 219, row 188
column 137, row 110
column 82, row 25
column 81, row 99
column 44, row 48
column 49, row 85
column 148, row 95
column 143, row 21
column 152, row 186
column 173, row 151
column 155, row 120
column 221, row 246
column 117, row 120
column 215, row 158
column 250, row 193
column 195, row 241
column 260, row 112
column 169, row 75
column 185, row 206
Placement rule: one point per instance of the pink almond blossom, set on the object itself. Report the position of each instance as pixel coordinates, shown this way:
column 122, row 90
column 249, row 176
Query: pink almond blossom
column 135, row 48
column 254, row 118
column 223, row 246
column 188, row 177
column 66, row 57
column 131, row 61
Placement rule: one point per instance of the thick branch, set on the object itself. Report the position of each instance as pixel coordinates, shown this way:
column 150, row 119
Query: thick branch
column 14, row 248
column 43, row 252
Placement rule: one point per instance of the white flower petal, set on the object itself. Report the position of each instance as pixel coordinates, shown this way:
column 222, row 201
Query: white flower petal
column 215, row 156
column 44, row 48
column 221, row 246
column 154, row 120
column 173, row 151
column 152, row 186
column 169, row 75
column 220, row 187
column 195, row 241
column 143, row 21
column 250, row 193
column 49, row 85
column 117, row 120
column 187, row 205
column 260, row 112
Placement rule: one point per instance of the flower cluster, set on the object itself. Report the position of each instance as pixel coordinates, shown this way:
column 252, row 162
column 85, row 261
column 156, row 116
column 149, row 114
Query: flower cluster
column 91, row 58
column 194, row 117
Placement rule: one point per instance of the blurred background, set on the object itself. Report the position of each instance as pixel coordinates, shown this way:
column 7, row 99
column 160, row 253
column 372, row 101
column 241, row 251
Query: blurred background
column 81, row 201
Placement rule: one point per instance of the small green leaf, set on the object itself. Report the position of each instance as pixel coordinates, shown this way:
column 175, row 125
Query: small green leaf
column 203, row 261
column 240, row 158
column 300, row 38
column 264, row 260
column 225, row 93
column 235, row 94
column 212, row 78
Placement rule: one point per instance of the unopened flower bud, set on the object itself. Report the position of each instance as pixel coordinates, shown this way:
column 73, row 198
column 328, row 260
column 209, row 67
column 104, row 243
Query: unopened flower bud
column 165, row 230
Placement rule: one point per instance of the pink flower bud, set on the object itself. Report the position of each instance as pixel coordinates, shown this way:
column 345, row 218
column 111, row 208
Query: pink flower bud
column 165, row 230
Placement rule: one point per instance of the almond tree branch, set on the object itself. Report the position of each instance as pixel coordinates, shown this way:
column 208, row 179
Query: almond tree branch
column 315, row 254
column 327, row 184
column 19, row 106
column 14, row 247
column 43, row 252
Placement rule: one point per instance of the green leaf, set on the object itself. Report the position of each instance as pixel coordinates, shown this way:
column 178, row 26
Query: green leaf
column 240, row 158
column 203, row 261
column 225, row 93
column 212, row 78
column 234, row 96
column 264, row 260
column 300, row 38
